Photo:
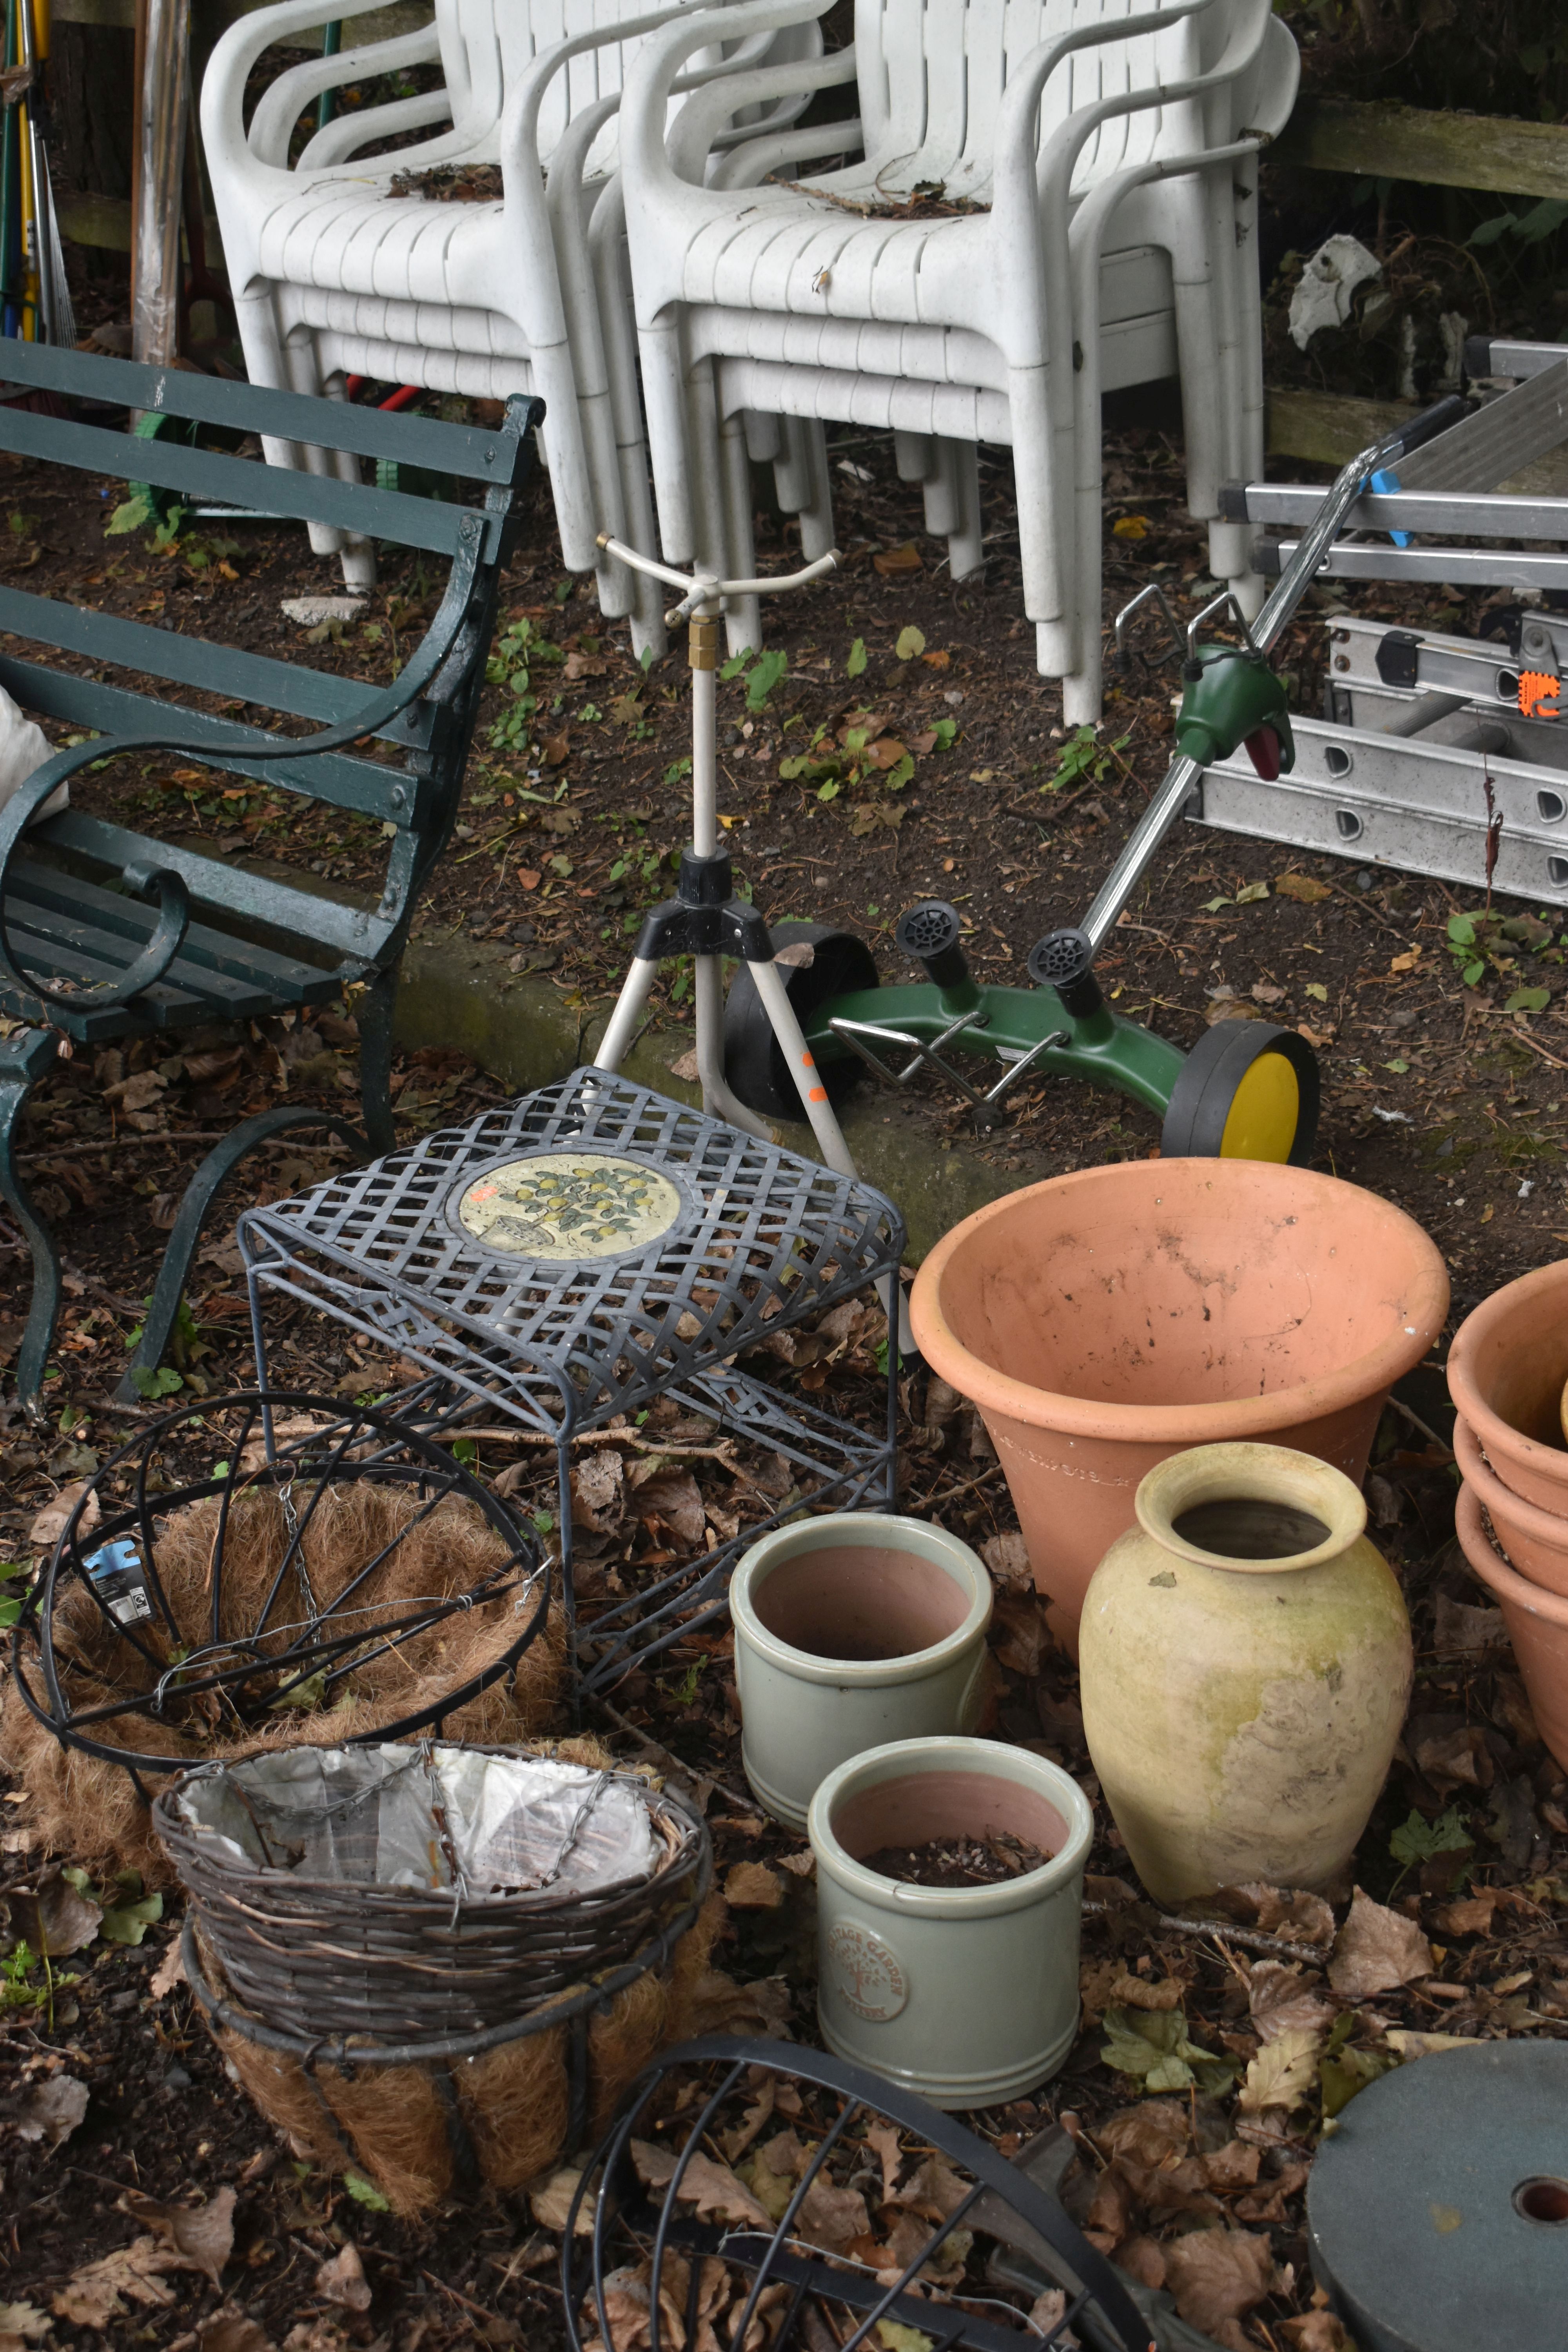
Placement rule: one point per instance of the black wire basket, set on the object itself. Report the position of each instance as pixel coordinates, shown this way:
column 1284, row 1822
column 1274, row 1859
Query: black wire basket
column 750, row 2194
column 334, row 1578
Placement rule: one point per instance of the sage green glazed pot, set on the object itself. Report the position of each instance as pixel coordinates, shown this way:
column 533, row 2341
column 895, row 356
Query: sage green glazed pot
column 967, row 1995
column 850, row 1630
column 1245, row 1660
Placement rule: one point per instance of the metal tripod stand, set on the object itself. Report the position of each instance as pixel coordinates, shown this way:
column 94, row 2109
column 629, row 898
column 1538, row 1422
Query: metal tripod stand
column 705, row 920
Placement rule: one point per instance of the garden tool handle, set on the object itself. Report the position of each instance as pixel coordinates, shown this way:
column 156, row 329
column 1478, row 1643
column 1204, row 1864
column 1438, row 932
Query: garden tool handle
column 1324, row 528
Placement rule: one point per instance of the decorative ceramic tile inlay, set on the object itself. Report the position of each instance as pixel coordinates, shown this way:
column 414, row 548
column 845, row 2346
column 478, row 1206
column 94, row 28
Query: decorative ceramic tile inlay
column 569, row 1205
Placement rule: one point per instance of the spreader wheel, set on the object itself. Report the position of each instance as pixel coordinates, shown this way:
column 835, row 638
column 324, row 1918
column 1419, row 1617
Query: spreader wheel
column 754, row 1069
column 1247, row 1090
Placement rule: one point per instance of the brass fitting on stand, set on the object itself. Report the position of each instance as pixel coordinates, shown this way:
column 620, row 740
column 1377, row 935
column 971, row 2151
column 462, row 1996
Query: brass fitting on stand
column 702, row 640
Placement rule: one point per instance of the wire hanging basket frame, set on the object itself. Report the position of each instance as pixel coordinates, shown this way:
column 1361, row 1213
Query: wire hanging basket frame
column 243, row 1676
column 619, row 2231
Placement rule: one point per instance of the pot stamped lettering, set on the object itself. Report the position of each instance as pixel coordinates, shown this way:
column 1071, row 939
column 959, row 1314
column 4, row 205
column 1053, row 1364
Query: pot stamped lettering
column 869, row 1977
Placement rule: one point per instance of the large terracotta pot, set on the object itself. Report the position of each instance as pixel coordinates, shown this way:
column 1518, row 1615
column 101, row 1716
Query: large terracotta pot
column 1246, row 1660
column 1505, row 1370
column 1536, row 1541
column 1104, row 1320
column 1537, row 1623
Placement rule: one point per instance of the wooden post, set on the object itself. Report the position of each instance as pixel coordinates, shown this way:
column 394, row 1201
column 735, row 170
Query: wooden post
column 163, row 97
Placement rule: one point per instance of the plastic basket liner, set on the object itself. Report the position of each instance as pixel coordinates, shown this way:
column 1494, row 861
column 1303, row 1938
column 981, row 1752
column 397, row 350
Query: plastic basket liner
column 425, row 1817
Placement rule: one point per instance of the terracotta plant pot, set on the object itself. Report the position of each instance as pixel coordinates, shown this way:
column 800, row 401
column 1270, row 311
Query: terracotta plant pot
column 1537, row 1623
column 1536, row 1541
column 968, row 1995
column 1246, row 1660
column 851, row 1630
column 1104, row 1320
column 1505, row 1370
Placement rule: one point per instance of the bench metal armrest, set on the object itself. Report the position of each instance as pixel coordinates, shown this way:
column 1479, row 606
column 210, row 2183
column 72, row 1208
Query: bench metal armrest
column 147, row 879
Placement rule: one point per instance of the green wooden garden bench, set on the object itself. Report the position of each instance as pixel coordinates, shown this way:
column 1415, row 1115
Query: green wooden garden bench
column 107, row 935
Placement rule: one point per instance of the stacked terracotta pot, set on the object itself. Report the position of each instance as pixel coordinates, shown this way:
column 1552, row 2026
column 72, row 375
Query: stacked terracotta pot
column 1507, row 1371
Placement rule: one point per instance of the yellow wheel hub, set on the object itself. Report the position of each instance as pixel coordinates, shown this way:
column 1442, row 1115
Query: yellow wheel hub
column 1264, row 1113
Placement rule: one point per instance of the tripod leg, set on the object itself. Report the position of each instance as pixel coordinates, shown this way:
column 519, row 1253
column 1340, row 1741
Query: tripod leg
column 616, row 1040
column 770, row 987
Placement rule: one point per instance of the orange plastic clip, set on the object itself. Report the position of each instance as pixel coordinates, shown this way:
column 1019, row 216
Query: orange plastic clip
column 1538, row 692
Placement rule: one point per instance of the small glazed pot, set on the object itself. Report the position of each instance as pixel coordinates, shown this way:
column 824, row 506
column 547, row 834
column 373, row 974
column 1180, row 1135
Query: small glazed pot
column 967, row 1995
column 1106, row 1319
column 852, row 1630
column 1536, row 1541
column 1537, row 1623
column 1245, row 1662
column 1505, row 1373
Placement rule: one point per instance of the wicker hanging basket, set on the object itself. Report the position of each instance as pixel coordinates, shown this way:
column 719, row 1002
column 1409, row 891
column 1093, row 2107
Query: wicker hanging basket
column 431, row 2036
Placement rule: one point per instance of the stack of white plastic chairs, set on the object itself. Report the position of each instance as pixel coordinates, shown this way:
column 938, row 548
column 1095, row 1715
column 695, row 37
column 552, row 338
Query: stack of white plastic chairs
column 1094, row 166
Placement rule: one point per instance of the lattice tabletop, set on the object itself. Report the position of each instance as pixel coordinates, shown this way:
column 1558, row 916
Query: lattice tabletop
column 571, row 1254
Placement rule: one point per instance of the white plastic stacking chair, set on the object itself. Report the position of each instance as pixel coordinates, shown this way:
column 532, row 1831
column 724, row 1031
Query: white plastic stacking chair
column 817, row 300
column 334, row 275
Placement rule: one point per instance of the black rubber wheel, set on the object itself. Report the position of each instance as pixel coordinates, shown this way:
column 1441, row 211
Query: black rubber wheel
column 754, row 1069
column 1247, row 1090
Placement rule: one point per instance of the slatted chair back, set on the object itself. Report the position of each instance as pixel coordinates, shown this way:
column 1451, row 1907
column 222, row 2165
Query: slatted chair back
column 932, row 74
column 393, row 754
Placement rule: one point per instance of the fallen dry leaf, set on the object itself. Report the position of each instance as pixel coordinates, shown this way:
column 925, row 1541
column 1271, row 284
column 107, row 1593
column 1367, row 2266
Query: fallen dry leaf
column 1461, row 1630
column 49, row 1524
column 1142, row 2260
column 233, row 2331
column 934, row 2190
column 1284, row 2002
column 686, row 1066
column 831, row 2217
column 716, row 2193
column 716, row 2004
column 894, row 561
column 753, row 1886
column 599, row 1491
column 1453, row 1757
column 200, row 2236
column 884, row 2139
column 1147, row 2132
column 53, row 1919
column 735, row 2144
column 1316, row 2331
column 1471, row 1914
column 51, row 2110
column 1283, row 2072
column 24, row 2323
column 1007, row 1558
column 170, row 1971
column 1139, row 1992
column 343, row 2280
column 1019, row 1616
column 1377, row 1950
column 91, row 2296
column 1286, row 1911
column 671, row 1501
column 1305, row 888
column 551, row 2204
column 1217, row 2274
column 1235, row 2166
column 1410, row 2044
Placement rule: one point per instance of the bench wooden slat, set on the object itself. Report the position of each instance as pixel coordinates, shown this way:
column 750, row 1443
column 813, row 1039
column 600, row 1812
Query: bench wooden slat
column 352, row 931
column 42, row 893
column 477, row 453
column 390, row 793
column 58, row 955
column 185, row 661
column 428, row 523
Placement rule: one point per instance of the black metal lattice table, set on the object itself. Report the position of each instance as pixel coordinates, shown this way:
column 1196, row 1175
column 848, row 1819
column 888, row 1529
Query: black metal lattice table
column 568, row 1257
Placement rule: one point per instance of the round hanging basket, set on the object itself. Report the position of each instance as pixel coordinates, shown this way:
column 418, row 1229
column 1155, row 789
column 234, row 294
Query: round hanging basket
column 334, row 1578
column 407, row 1892
column 427, row 2114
